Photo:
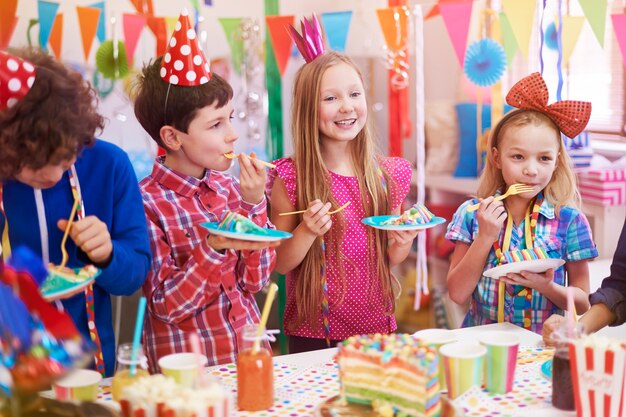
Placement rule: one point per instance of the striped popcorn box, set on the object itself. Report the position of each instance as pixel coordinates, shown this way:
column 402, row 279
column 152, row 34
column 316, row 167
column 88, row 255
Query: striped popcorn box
column 598, row 370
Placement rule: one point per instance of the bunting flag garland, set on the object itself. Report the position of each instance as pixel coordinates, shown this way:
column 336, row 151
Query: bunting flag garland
column 456, row 17
column 143, row 7
column 595, row 12
column 337, row 26
column 521, row 15
column 132, row 24
column 280, row 39
column 101, row 31
column 8, row 21
column 232, row 30
column 88, row 21
column 508, row 38
column 572, row 27
column 56, row 36
column 159, row 28
column 619, row 26
column 47, row 12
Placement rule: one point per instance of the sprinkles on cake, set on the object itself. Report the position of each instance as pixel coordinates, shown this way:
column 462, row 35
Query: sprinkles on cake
column 418, row 214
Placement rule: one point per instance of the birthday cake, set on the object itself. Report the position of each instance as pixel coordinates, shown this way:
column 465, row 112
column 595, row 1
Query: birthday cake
column 418, row 214
column 523, row 255
column 62, row 278
column 395, row 374
column 160, row 396
column 234, row 222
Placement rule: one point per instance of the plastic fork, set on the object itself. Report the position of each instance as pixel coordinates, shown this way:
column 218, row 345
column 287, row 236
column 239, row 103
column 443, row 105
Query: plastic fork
column 231, row 155
column 67, row 232
column 513, row 190
column 302, row 211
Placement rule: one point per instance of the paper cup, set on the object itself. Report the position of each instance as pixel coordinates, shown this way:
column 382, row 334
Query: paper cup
column 501, row 359
column 182, row 368
column 437, row 337
column 78, row 385
column 464, row 366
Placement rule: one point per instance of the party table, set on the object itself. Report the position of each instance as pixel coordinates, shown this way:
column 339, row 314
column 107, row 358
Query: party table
column 302, row 381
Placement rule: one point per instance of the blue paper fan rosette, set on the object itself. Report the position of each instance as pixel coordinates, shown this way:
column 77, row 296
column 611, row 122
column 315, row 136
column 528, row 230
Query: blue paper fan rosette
column 550, row 37
column 485, row 62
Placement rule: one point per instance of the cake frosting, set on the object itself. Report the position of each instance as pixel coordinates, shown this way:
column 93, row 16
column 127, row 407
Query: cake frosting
column 523, row 255
column 393, row 373
column 417, row 214
column 62, row 278
column 160, row 396
column 235, row 222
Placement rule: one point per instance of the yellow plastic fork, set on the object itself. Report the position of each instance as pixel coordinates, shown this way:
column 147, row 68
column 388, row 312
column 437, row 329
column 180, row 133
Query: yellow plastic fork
column 513, row 189
column 302, row 211
column 67, row 232
column 231, row 155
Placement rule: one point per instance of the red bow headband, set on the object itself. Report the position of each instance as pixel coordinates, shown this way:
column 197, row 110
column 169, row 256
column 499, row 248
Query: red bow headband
column 531, row 93
column 311, row 42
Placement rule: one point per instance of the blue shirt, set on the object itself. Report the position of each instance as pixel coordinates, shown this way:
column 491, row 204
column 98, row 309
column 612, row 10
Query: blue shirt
column 110, row 192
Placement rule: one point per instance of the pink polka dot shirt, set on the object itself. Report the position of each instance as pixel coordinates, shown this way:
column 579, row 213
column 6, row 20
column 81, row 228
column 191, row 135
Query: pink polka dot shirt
column 362, row 309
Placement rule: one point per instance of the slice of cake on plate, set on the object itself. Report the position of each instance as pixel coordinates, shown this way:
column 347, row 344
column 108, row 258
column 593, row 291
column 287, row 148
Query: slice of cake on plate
column 417, row 214
column 523, row 255
column 235, row 222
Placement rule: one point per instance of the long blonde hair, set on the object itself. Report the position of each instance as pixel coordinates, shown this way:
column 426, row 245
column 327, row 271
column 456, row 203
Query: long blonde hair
column 562, row 190
column 313, row 182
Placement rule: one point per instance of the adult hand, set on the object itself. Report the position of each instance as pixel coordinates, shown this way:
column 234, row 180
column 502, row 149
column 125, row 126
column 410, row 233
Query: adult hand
column 491, row 216
column 222, row 242
column 549, row 326
column 252, row 178
column 316, row 217
column 92, row 236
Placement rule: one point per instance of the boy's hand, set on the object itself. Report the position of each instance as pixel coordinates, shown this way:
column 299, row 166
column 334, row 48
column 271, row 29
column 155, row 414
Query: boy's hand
column 92, row 236
column 221, row 243
column 252, row 178
column 549, row 326
column 491, row 216
column 316, row 218
column 539, row 282
column 403, row 237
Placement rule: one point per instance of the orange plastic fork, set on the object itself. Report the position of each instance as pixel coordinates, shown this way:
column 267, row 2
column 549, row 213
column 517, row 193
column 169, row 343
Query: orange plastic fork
column 302, row 211
column 231, row 155
column 513, row 189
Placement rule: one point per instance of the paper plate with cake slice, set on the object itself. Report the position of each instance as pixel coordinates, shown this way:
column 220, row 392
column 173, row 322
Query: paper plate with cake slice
column 236, row 226
column 532, row 265
column 63, row 282
column 417, row 217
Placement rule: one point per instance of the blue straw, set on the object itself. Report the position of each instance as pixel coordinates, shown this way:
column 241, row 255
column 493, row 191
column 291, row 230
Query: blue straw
column 141, row 310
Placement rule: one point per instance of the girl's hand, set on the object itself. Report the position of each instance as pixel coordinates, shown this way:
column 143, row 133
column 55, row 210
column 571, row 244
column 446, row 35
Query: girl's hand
column 252, row 178
column 92, row 236
column 549, row 326
column 403, row 237
column 491, row 216
column 538, row 282
column 316, row 218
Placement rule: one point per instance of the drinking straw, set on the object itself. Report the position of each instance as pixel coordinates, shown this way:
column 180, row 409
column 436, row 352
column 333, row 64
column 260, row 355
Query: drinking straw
column 141, row 310
column 571, row 313
column 266, row 312
column 194, row 341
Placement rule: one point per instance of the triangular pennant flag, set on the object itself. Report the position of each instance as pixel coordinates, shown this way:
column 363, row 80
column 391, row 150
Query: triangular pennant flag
column 7, row 8
column 195, row 4
column 159, row 29
column 47, row 11
column 433, row 12
column 144, row 7
column 520, row 15
column 88, row 23
column 170, row 23
column 595, row 12
column 572, row 26
column 133, row 25
column 456, row 17
column 56, row 36
column 619, row 26
column 395, row 32
column 232, row 30
column 281, row 41
column 101, row 32
column 508, row 39
column 337, row 25
column 7, row 27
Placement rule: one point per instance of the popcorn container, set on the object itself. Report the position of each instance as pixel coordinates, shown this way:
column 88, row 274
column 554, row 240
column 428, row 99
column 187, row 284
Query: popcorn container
column 598, row 368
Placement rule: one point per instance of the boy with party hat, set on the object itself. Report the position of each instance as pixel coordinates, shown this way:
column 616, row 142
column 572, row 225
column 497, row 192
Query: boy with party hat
column 198, row 282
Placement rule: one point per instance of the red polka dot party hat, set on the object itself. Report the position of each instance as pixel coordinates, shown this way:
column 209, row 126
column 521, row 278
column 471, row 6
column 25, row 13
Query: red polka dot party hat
column 184, row 62
column 16, row 78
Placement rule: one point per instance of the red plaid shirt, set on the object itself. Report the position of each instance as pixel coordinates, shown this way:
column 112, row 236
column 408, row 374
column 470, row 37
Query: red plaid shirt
column 191, row 287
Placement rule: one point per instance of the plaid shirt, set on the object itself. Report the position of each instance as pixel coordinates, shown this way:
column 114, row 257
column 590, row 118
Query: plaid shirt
column 191, row 287
column 567, row 236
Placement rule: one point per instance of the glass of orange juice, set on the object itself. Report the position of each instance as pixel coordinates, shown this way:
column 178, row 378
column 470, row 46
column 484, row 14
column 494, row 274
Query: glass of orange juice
column 122, row 377
column 255, row 376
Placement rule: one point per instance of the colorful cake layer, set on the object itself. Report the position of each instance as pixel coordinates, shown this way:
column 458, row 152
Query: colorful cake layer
column 60, row 279
column 235, row 222
column 160, row 396
column 390, row 372
column 418, row 214
column 523, row 255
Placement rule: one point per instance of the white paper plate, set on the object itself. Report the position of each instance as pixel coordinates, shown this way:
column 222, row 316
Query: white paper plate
column 533, row 265
column 377, row 222
column 271, row 236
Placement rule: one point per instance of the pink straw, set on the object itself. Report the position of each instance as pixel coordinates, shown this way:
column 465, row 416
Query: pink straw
column 571, row 312
column 194, row 340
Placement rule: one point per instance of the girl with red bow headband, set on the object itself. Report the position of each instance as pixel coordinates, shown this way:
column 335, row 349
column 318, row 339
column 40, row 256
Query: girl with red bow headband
column 525, row 148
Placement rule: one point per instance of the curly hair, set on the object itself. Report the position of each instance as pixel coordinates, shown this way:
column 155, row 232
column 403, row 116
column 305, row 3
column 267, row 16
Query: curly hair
column 53, row 122
column 150, row 93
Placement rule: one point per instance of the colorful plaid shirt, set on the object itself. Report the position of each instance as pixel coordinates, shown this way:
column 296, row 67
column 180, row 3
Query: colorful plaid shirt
column 191, row 287
column 567, row 236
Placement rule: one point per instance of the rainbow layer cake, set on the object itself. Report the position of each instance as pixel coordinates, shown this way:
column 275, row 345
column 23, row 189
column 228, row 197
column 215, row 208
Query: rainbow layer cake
column 418, row 214
column 160, row 396
column 523, row 255
column 235, row 222
column 62, row 278
column 393, row 373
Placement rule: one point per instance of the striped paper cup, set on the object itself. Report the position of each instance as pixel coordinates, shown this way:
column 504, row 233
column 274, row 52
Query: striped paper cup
column 463, row 363
column 437, row 337
column 500, row 362
column 78, row 385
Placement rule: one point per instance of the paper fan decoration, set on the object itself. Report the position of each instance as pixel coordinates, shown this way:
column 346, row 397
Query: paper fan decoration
column 485, row 62
column 550, row 37
column 107, row 64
